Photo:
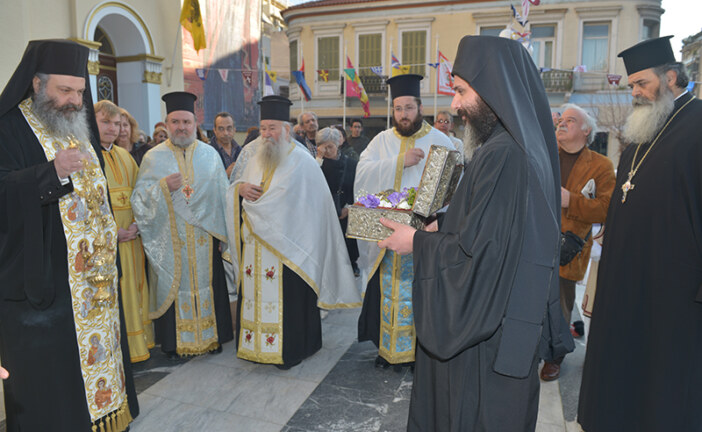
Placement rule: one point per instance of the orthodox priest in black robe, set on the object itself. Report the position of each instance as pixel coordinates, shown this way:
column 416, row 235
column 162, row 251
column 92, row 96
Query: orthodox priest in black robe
column 643, row 366
column 485, row 290
column 62, row 336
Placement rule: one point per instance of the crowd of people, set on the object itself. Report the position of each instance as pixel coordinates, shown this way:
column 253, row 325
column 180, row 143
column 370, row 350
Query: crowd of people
column 112, row 243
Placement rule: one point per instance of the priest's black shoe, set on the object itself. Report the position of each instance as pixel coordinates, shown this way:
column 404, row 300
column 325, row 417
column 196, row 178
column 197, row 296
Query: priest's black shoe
column 217, row 350
column 172, row 355
column 381, row 362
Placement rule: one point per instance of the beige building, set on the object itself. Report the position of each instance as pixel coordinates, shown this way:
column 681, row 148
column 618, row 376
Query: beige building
column 132, row 61
column 692, row 59
column 564, row 35
column 137, row 47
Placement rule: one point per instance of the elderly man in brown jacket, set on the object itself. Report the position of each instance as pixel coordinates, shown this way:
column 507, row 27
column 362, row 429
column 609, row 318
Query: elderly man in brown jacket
column 587, row 182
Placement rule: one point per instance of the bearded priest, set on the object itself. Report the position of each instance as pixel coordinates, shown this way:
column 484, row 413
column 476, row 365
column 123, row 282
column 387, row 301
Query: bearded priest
column 62, row 336
column 178, row 204
column 394, row 159
column 289, row 254
column 644, row 352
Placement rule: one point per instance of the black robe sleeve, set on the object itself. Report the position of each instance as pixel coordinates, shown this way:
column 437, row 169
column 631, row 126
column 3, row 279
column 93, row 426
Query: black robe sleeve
column 462, row 273
column 29, row 191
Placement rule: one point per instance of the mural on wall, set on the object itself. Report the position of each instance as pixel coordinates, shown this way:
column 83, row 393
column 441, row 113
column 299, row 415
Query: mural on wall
column 225, row 75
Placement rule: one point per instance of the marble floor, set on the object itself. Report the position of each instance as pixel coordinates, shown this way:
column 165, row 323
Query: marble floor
column 337, row 389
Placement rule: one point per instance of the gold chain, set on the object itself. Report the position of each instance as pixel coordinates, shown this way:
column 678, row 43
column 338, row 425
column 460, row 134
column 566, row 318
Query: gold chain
column 632, row 173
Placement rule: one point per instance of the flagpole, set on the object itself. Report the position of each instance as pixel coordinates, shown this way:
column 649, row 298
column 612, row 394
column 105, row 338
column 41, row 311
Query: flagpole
column 436, row 88
column 343, row 121
column 387, row 113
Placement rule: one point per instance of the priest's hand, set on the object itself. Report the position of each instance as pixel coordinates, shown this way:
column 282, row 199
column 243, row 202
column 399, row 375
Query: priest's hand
column 4, row 374
column 433, row 226
column 344, row 213
column 565, row 197
column 401, row 241
column 413, row 156
column 174, row 181
column 250, row 192
column 68, row 161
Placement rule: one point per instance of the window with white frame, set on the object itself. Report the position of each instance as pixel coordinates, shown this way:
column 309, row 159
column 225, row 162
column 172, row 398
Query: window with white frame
column 328, row 56
column 650, row 29
column 543, row 43
column 595, row 46
column 293, row 55
column 414, row 50
column 370, row 52
column 491, row 30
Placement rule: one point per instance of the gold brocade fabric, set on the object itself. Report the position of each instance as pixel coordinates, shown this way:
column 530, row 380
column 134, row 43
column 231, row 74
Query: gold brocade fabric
column 91, row 240
column 121, row 171
column 196, row 325
column 261, row 320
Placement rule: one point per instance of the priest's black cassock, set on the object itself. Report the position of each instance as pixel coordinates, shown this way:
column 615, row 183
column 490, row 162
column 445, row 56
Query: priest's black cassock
column 485, row 291
column 643, row 366
column 38, row 344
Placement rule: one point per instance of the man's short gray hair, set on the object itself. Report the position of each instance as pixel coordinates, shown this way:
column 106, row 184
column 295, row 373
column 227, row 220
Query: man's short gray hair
column 589, row 121
column 445, row 113
column 328, row 134
column 302, row 115
column 682, row 79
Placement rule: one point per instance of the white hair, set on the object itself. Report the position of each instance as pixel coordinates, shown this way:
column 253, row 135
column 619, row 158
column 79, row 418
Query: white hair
column 329, row 134
column 589, row 121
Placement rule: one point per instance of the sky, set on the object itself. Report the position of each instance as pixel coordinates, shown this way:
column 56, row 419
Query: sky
column 682, row 18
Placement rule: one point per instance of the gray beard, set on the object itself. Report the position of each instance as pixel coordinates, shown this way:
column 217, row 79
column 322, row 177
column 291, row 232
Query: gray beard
column 184, row 142
column 61, row 122
column 271, row 152
column 648, row 117
column 481, row 122
column 470, row 143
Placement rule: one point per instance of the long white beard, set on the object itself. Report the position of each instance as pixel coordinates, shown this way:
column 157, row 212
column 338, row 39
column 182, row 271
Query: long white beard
column 648, row 118
column 61, row 123
column 271, row 152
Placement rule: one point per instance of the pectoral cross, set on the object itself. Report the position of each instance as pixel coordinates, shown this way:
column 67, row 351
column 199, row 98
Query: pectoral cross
column 627, row 186
column 188, row 192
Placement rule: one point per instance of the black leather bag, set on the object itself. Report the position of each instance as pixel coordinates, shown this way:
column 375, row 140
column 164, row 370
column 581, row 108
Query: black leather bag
column 571, row 245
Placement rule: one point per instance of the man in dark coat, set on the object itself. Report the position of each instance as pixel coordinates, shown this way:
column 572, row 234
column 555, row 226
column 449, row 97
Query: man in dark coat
column 643, row 366
column 62, row 337
column 485, row 292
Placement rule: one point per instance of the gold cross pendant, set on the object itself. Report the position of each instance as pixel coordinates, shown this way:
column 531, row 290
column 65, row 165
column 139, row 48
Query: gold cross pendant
column 626, row 187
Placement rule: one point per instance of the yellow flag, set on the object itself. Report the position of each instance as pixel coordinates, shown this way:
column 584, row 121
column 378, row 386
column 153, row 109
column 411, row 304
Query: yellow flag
column 191, row 20
column 400, row 70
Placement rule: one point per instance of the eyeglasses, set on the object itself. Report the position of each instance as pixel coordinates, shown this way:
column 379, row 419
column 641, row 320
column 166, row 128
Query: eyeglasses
column 406, row 108
column 444, row 121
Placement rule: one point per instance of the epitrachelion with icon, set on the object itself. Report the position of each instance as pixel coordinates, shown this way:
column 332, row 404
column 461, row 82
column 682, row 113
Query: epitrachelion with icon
column 409, row 206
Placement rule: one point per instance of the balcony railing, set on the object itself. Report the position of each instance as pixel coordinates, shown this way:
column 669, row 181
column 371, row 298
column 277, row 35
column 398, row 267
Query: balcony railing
column 557, row 81
column 373, row 84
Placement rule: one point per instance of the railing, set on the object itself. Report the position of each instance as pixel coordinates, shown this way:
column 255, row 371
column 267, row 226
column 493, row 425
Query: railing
column 374, row 84
column 557, row 81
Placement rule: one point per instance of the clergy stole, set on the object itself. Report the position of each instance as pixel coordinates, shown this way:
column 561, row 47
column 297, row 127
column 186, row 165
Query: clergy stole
column 97, row 327
column 261, row 320
column 196, row 327
column 121, row 171
column 397, row 335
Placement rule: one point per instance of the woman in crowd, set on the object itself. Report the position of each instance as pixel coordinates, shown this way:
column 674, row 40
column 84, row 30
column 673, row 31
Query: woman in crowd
column 340, row 172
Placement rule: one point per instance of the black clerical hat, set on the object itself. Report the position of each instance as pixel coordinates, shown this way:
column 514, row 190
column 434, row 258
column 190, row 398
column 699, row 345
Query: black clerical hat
column 62, row 57
column 647, row 54
column 179, row 101
column 49, row 56
column 275, row 108
column 405, row 85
